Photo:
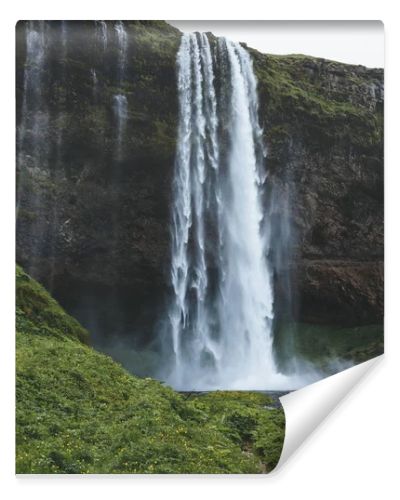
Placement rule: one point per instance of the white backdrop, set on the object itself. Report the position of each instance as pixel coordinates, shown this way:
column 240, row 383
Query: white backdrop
column 354, row 453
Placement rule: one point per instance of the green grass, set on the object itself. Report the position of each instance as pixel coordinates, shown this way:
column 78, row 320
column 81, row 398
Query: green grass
column 328, row 115
column 38, row 313
column 78, row 411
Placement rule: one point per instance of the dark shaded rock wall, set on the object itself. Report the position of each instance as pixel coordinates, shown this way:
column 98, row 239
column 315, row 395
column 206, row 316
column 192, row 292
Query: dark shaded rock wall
column 323, row 124
column 94, row 229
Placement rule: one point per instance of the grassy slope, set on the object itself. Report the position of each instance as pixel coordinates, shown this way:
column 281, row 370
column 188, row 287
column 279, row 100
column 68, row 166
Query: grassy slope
column 80, row 412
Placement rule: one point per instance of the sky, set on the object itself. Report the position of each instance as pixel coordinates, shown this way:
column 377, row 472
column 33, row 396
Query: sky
column 352, row 42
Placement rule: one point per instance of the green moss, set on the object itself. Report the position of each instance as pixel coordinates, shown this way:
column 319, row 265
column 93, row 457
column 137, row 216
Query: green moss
column 27, row 215
column 324, row 345
column 80, row 412
column 291, row 94
column 38, row 312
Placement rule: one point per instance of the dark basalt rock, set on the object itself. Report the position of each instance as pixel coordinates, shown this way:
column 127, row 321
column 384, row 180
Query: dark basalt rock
column 323, row 124
column 95, row 231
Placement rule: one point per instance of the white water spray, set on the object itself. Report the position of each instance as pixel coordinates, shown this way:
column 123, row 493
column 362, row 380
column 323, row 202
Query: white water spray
column 34, row 118
column 102, row 33
column 222, row 310
column 120, row 100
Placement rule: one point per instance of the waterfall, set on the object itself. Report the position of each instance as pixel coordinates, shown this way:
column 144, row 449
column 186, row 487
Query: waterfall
column 34, row 117
column 64, row 37
column 95, row 82
column 61, row 113
column 220, row 318
column 58, row 125
column 120, row 100
column 101, row 43
column 33, row 137
column 102, row 33
column 122, row 39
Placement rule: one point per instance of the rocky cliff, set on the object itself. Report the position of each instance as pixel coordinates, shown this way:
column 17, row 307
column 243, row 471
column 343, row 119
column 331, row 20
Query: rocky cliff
column 92, row 222
column 323, row 124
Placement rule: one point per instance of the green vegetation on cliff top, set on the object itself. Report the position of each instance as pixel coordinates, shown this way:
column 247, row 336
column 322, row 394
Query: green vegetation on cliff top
column 331, row 100
column 80, row 412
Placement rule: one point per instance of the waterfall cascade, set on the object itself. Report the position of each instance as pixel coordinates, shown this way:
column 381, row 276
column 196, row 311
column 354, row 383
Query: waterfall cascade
column 41, row 129
column 102, row 33
column 33, row 145
column 34, row 118
column 95, row 82
column 222, row 309
column 120, row 100
column 101, row 39
column 220, row 318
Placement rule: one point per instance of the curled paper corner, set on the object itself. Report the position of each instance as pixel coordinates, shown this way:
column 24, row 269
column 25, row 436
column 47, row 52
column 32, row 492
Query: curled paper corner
column 306, row 408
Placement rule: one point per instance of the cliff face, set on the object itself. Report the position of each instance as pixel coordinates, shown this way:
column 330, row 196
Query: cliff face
column 93, row 209
column 93, row 228
column 323, row 124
